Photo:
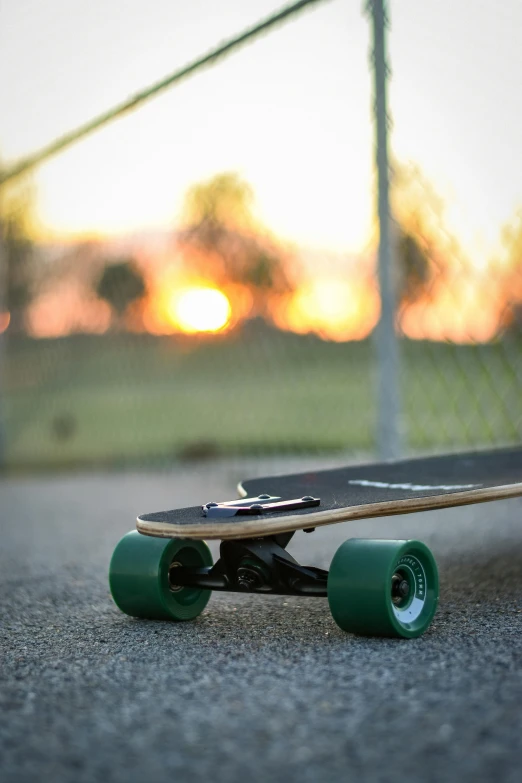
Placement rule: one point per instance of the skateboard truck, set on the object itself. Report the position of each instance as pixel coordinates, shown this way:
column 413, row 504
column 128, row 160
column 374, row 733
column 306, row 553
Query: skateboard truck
column 257, row 565
column 258, row 505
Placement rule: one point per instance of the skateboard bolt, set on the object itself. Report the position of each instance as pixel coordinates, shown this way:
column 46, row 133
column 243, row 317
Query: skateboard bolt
column 248, row 578
column 400, row 588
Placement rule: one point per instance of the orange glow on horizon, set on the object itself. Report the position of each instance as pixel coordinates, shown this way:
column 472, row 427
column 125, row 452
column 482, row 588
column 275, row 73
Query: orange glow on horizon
column 333, row 308
column 465, row 307
column 466, row 312
column 5, row 319
column 66, row 310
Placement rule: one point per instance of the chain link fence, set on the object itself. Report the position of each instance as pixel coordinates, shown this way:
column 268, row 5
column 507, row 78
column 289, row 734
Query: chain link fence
column 457, row 201
column 215, row 336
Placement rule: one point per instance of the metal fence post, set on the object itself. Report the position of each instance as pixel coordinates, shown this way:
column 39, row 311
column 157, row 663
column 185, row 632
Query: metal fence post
column 388, row 373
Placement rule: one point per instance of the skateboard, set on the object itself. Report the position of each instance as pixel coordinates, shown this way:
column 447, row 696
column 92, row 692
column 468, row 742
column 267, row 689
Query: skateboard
column 164, row 569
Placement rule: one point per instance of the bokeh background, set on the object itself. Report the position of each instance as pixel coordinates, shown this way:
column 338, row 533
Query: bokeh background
column 198, row 278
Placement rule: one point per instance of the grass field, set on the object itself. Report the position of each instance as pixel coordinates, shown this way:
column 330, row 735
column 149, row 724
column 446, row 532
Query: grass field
column 89, row 400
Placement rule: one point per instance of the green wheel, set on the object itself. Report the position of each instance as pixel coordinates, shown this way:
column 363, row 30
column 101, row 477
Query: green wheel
column 383, row 588
column 139, row 577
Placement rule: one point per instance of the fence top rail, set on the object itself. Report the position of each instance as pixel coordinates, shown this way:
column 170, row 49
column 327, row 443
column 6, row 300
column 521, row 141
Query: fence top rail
column 131, row 103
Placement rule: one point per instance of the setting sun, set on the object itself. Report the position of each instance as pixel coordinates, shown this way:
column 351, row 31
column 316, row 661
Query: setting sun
column 200, row 310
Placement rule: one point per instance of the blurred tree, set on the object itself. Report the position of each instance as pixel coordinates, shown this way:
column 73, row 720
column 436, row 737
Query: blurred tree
column 415, row 267
column 17, row 219
column 223, row 241
column 511, row 269
column 119, row 284
column 515, row 317
column 425, row 249
column 224, row 201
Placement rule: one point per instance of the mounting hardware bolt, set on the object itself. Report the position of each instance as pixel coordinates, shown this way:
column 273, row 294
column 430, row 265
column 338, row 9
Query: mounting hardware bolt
column 249, row 578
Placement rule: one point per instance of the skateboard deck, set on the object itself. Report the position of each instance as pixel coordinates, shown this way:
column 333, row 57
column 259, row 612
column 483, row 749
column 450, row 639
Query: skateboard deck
column 307, row 500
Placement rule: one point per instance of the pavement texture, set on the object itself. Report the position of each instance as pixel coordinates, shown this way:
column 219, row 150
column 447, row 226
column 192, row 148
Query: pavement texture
column 255, row 689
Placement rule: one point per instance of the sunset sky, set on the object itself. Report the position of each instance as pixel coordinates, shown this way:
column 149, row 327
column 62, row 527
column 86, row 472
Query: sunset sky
column 290, row 112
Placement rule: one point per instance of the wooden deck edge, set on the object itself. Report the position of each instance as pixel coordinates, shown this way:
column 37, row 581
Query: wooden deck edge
column 284, row 524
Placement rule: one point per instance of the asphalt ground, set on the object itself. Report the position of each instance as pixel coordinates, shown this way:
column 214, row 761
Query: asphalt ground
column 255, row 689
